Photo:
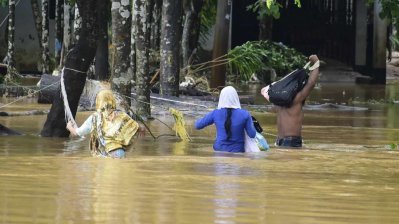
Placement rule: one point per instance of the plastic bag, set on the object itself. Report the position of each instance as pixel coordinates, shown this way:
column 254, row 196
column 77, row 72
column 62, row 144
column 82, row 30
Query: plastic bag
column 283, row 92
column 261, row 142
column 250, row 144
column 257, row 144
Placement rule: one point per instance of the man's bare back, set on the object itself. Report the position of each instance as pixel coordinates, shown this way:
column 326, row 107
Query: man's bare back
column 289, row 119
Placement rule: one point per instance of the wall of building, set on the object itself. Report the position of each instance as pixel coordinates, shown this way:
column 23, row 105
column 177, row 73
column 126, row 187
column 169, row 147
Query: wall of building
column 27, row 51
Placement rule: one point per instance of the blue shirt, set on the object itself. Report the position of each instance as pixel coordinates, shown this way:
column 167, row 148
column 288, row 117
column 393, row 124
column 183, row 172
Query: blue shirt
column 240, row 120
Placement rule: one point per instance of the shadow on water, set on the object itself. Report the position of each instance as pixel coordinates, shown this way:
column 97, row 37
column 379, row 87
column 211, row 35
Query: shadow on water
column 345, row 174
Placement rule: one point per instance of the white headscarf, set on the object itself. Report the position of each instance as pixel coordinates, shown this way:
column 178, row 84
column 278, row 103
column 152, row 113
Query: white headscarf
column 229, row 98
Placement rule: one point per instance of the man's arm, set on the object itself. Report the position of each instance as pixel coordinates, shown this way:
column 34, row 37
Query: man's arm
column 313, row 76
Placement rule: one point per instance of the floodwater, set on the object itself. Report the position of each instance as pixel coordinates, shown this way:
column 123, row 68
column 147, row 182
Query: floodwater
column 345, row 174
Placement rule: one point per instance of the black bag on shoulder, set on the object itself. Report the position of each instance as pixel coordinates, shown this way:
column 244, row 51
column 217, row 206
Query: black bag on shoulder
column 283, row 92
column 258, row 128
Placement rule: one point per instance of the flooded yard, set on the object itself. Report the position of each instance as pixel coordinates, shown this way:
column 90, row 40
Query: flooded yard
column 346, row 172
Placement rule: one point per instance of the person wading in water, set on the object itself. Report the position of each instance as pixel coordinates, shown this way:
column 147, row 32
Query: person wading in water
column 111, row 130
column 232, row 123
column 290, row 119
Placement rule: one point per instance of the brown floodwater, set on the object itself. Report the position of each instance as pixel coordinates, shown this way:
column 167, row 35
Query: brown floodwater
column 345, row 174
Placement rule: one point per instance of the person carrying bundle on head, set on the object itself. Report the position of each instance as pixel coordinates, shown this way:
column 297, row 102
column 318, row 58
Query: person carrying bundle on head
column 289, row 95
column 111, row 130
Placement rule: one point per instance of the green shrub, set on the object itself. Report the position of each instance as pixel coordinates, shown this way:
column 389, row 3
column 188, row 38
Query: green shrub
column 254, row 56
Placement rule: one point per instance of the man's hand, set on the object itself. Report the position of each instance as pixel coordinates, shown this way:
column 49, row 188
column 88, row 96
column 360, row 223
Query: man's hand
column 313, row 58
column 265, row 93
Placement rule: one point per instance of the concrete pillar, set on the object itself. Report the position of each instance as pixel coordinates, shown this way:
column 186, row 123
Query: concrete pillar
column 361, row 35
column 379, row 46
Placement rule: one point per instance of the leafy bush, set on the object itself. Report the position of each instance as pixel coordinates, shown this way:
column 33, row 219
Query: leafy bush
column 254, row 56
column 389, row 11
column 3, row 3
column 266, row 8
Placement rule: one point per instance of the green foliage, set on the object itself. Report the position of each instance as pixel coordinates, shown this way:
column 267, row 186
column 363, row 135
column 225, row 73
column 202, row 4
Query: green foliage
column 247, row 59
column 283, row 59
column 272, row 8
column 254, row 56
column 390, row 11
column 392, row 146
column 71, row 2
column 3, row 3
column 266, row 8
column 298, row 3
column 394, row 41
column 207, row 17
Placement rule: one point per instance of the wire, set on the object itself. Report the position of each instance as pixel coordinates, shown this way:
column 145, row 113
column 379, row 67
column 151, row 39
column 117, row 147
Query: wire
column 164, row 99
column 21, row 98
column 1, row 24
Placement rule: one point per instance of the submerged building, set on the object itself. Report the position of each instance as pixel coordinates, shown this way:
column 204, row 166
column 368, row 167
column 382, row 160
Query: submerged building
column 348, row 31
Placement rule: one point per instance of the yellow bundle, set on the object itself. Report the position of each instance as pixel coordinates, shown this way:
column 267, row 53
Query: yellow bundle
column 179, row 125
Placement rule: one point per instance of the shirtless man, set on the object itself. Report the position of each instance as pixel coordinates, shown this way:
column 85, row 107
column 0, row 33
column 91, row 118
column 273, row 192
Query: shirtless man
column 289, row 119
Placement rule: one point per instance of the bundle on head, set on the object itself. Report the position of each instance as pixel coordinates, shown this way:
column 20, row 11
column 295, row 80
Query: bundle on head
column 105, row 101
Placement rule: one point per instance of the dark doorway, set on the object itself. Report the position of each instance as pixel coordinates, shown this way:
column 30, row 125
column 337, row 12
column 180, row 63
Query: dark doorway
column 318, row 27
column 244, row 23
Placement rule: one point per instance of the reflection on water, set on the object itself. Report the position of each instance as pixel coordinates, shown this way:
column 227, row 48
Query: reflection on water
column 344, row 175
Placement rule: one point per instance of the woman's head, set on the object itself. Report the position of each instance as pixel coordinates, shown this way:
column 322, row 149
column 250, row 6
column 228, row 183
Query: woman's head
column 229, row 98
column 105, row 101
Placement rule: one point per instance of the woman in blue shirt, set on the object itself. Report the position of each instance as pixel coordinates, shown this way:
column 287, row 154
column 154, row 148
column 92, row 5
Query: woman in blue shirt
column 232, row 123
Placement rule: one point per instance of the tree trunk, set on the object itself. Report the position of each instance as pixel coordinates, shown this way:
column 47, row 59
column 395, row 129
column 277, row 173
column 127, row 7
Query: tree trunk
column 5, row 36
column 67, row 39
column 188, row 12
column 143, row 14
column 133, row 42
column 156, row 26
column 121, row 28
column 48, row 89
column 101, row 62
column 191, row 29
column 59, row 29
column 38, row 21
column 79, row 59
column 195, row 32
column 155, row 37
column 170, row 47
column 265, row 28
column 45, row 38
column 77, row 25
column 222, row 28
column 11, row 34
